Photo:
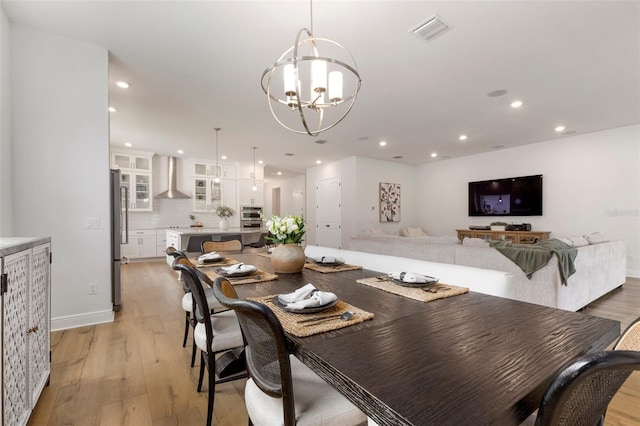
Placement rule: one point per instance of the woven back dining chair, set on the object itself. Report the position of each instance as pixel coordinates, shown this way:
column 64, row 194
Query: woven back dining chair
column 232, row 246
column 629, row 340
column 581, row 392
column 213, row 334
column 281, row 389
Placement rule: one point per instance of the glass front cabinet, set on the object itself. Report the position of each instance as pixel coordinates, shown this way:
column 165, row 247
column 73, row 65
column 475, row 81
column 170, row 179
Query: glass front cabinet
column 207, row 194
column 135, row 175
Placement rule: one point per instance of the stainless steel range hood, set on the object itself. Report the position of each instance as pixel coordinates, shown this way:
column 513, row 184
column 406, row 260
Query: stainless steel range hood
column 172, row 192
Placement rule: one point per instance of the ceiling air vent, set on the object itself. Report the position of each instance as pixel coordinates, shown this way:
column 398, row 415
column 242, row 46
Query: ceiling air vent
column 431, row 28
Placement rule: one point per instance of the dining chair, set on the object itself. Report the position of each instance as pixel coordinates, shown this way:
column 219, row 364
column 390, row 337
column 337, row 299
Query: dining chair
column 213, row 334
column 261, row 241
column 630, row 339
column 581, row 392
column 180, row 258
column 281, row 389
column 194, row 243
column 232, row 246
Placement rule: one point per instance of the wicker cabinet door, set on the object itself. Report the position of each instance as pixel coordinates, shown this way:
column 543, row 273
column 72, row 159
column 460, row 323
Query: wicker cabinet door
column 39, row 321
column 17, row 401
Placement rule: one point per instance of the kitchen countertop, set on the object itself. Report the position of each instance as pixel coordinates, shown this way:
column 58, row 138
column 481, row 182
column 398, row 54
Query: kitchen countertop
column 195, row 231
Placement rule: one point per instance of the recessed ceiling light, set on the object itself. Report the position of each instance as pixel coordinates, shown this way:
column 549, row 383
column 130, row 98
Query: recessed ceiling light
column 559, row 128
column 434, row 154
column 463, row 137
column 122, row 84
column 180, row 151
column 127, row 144
column 223, row 157
column 318, row 161
column 112, row 109
column 516, row 104
column 496, row 93
column 383, row 143
column 260, row 162
column 279, row 173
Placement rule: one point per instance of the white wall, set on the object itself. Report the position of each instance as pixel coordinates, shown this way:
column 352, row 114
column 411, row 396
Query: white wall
column 60, row 129
column 591, row 183
column 6, row 221
column 290, row 189
column 360, row 194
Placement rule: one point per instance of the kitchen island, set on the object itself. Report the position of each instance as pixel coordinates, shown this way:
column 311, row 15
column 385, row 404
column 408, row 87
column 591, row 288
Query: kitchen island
column 179, row 237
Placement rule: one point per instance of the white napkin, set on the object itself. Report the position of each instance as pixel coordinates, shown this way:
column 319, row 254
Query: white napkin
column 307, row 296
column 327, row 259
column 209, row 256
column 238, row 268
column 410, row 277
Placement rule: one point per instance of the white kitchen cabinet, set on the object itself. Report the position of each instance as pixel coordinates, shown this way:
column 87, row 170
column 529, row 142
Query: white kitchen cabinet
column 204, row 169
column 173, row 240
column 26, row 326
column 141, row 162
column 249, row 197
column 142, row 243
column 207, row 194
column 245, row 171
column 161, row 242
column 139, row 190
column 230, row 198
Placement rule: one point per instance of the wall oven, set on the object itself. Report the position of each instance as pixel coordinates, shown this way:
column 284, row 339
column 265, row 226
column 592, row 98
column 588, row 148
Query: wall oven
column 251, row 217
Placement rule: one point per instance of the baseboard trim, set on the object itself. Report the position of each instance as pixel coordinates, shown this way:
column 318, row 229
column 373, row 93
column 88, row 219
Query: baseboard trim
column 81, row 320
column 633, row 273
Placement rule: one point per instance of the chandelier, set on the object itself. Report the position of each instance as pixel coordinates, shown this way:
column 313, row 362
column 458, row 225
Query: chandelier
column 321, row 88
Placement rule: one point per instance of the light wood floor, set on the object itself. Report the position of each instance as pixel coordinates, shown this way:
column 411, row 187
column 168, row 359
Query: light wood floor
column 136, row 372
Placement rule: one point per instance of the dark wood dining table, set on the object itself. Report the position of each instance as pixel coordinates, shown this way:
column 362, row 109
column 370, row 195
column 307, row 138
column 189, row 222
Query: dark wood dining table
column 471, row 358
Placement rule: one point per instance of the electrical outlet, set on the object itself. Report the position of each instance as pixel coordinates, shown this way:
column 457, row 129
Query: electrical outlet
column 93, row 288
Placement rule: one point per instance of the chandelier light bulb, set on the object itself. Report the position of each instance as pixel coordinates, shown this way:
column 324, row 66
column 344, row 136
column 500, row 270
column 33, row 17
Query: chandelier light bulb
column 289, row 75
column 319, row 76
column 335, row 86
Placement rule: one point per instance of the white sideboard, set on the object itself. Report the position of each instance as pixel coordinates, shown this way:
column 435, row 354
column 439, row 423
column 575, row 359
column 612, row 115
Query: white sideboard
column 26, row 325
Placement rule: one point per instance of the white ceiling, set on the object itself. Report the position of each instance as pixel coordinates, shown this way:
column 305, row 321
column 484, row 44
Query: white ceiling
column 196, row 65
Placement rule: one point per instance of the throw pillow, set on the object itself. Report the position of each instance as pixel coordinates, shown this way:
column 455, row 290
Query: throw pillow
column 565, row 240
column 578, row 241
column 414, row 232
column 595, row 238
column 475, row 242
column 377, row 231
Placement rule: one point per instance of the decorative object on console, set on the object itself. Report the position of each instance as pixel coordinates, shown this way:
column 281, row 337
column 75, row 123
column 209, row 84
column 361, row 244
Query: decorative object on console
column 287, row 232
column 195, row 224
column 498, row 226
column 224, row 213
column 389, row 202
column 302, row 66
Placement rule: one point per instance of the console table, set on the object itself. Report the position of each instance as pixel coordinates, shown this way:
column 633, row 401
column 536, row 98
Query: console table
column 518, row 237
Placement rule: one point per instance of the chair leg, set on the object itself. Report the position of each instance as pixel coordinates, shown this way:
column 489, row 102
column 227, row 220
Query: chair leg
column 193, row 353
column 186, row 330
column 212, row 385
column 201, row 375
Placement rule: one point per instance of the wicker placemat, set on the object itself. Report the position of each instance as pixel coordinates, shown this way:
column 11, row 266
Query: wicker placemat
column 331, row 268
column 267, row 255
column 255, row 277
column 226, row 262
column 290, row 321
column 426, row 294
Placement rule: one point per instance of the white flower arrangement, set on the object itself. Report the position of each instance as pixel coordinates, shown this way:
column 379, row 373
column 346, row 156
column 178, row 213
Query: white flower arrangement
column 224, row 211
column 286, row 230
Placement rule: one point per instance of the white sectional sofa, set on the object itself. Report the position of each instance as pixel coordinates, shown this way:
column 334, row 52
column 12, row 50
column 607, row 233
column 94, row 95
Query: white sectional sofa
column 600, row 268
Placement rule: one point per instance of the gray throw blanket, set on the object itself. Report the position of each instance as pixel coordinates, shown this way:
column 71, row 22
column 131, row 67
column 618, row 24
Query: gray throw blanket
column 531, row 257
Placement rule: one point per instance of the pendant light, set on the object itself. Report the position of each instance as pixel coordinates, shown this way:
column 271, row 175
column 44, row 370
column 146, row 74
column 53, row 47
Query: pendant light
column 217, row 178
column 333, row 74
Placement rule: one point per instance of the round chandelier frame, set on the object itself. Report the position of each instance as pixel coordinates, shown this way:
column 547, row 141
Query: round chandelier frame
column 315, row 103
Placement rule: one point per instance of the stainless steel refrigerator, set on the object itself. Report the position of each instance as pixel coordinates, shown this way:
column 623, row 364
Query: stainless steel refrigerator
column 119, row 234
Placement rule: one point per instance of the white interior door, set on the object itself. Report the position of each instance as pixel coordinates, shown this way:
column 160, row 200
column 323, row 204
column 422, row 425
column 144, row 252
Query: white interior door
column 328, row 212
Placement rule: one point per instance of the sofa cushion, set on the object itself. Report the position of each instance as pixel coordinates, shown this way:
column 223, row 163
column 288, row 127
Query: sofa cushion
column 578, row 241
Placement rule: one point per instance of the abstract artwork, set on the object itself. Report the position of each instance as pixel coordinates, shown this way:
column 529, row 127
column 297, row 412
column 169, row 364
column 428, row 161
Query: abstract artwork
column 389, row 202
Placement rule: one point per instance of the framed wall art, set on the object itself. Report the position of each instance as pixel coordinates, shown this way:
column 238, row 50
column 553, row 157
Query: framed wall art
column 389, row 202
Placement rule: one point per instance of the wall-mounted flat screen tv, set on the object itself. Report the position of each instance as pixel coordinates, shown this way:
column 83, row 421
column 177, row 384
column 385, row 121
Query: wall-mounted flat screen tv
column 517, row 196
